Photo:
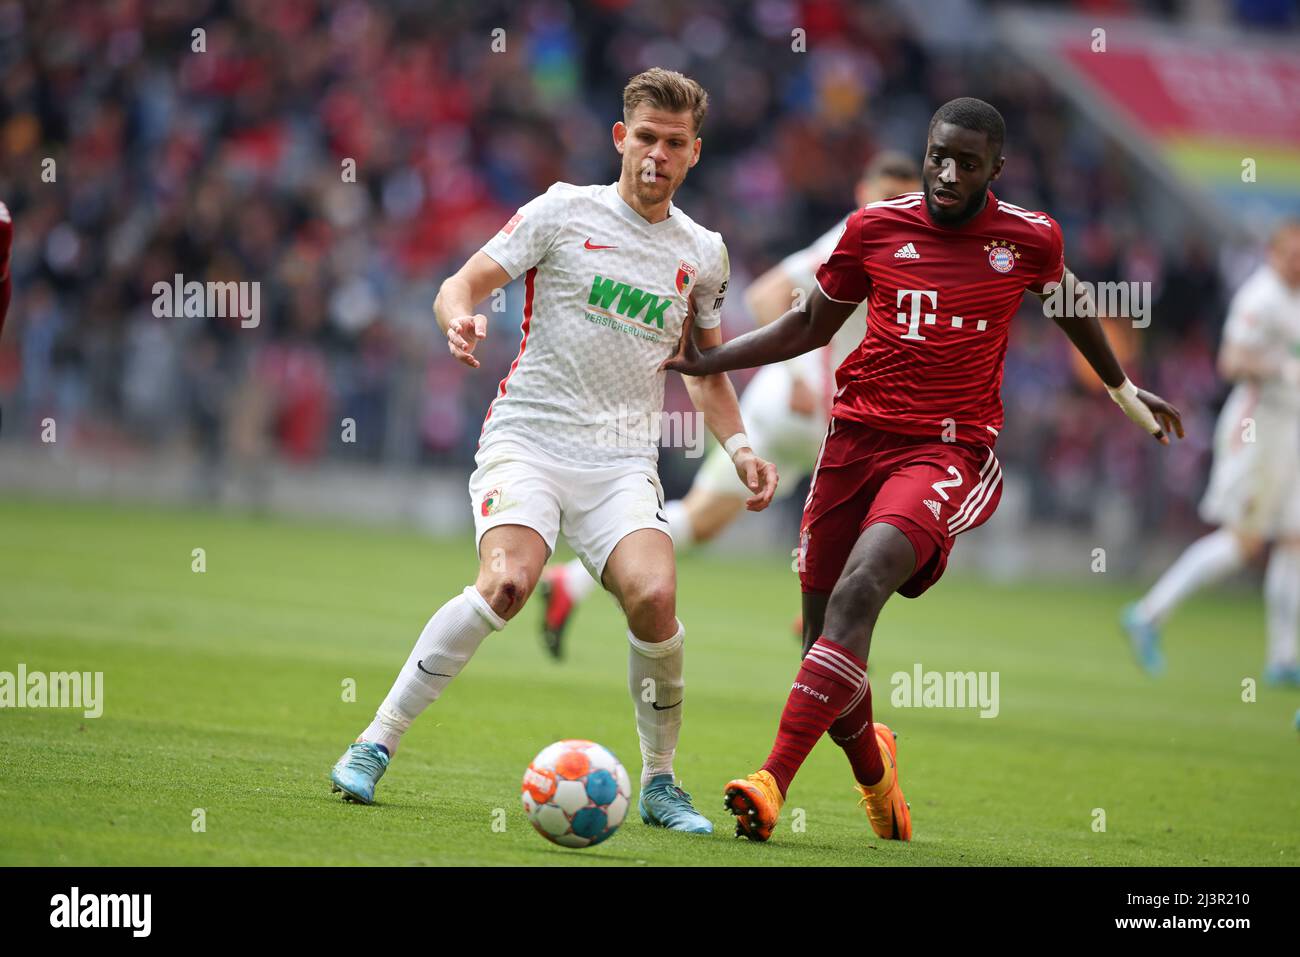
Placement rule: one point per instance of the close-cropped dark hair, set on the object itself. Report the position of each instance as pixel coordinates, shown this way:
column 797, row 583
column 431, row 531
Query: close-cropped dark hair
column 972, row 114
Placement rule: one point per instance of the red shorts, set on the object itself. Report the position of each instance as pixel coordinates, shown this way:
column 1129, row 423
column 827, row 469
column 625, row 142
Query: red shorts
column 930, row 491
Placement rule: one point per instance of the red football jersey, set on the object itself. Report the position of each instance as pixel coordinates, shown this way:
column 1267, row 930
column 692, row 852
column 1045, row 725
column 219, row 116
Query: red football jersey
column 941, row 302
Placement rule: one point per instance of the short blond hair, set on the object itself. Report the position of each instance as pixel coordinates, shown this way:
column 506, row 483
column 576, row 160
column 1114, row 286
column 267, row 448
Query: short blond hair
column 665, row 90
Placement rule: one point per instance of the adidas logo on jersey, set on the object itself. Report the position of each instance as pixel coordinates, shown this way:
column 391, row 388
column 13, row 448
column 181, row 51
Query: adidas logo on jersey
column 907, row 252
column 933, row 506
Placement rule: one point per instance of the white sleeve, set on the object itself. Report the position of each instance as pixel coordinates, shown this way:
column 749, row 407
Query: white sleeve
column 1250, row 318
column 526, row 238
column 712, row 289
column 801, row 267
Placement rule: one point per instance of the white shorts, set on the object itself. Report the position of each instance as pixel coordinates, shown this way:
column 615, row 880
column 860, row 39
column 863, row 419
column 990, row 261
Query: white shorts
column 787, row 440
column 593, row 507
column 1255, row 481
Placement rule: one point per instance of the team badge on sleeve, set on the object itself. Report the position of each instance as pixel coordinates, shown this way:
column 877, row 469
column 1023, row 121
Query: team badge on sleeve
column 1002, row 255
column 509, row 227
column 491, row 502
column 685, row 277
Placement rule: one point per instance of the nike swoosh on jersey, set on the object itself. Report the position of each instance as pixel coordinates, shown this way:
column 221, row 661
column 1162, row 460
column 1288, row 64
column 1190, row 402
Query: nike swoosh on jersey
column 433, row 674
column 589, row 245
column 655, row 705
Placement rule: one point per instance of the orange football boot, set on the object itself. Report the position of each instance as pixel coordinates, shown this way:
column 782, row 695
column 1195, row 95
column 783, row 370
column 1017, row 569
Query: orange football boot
column 889, row 814
column 756, row 801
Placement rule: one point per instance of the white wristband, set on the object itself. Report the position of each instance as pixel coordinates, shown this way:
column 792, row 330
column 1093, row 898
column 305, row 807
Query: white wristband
column 1126, row 397
column 734, row 444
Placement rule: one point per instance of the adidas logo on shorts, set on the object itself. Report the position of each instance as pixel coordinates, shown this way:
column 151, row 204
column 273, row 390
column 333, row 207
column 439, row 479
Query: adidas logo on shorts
column 907, row 252
column 933, row 506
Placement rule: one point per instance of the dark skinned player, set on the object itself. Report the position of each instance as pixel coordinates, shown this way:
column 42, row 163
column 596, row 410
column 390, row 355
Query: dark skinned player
column 907, row 463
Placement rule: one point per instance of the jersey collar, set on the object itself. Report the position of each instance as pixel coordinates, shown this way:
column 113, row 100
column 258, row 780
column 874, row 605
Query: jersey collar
column 616, row 203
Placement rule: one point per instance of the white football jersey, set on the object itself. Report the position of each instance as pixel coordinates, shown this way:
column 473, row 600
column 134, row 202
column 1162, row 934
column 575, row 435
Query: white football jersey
column 604, row 302
column 1265, row 315
column 801, row 267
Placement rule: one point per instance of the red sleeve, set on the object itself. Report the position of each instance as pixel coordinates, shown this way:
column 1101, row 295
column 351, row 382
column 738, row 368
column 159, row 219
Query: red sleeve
column 1055, row 260
column 842, row 276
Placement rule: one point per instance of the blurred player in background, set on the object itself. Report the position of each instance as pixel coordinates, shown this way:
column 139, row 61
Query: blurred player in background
column 907, row 463
column 568, row 445
column 786, row 405
column 1254, row 491
column 6, row 283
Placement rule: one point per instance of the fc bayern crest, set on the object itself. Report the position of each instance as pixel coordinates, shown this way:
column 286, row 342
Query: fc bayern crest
column 685, row 277
column 1002, row 255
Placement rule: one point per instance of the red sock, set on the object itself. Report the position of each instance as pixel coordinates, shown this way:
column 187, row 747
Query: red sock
column 828, row 680
column 854, row 732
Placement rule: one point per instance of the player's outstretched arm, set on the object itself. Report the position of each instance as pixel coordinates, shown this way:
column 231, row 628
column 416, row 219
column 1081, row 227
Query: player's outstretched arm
column 715, row 397
column 796, row 332
column 1146, row 409
column 768, row 297
column 1242, row 363
column 454, row 305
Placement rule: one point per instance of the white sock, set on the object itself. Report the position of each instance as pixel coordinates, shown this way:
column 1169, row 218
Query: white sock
column 1282, row 599
column 447, row 643
column 577, row 579
column 1205, row 561
column 679, row 524
column 654, row 677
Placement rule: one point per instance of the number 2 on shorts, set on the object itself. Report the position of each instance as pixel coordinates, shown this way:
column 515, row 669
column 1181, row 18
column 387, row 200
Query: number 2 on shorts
column 948, row 483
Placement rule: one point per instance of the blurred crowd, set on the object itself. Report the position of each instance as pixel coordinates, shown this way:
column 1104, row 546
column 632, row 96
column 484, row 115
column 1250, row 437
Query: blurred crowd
column 350, row 155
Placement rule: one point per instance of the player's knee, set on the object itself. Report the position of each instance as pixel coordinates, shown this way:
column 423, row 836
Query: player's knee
column 652, row 599
column 859, row 595
column 1250, row 546
column 506, row 593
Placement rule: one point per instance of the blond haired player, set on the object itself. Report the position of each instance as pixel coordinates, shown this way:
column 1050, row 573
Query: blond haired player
column 610, row 273
column 786, row 405
column 1254, row 491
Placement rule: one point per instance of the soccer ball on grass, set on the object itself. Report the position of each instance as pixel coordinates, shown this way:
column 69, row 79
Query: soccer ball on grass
column 576, row 793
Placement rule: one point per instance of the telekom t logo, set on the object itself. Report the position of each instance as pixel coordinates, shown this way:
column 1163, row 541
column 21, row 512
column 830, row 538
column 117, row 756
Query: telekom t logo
column 914, row 317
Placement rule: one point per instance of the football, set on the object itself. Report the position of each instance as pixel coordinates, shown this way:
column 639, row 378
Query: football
column 576, row 793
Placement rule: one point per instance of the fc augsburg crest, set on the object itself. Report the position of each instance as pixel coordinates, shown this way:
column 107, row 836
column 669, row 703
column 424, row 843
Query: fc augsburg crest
column 685, row 277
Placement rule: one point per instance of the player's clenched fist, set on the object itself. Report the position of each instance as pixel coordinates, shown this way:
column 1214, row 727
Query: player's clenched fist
column 463, row 334
column 759, row 477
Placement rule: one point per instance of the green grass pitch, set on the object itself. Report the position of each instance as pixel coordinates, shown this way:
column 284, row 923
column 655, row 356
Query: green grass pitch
column 225, row 691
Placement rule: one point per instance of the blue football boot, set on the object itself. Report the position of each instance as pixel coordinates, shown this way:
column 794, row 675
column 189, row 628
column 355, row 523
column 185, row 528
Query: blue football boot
column 664, row 804
column 1144, row 639
column 358, row 771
